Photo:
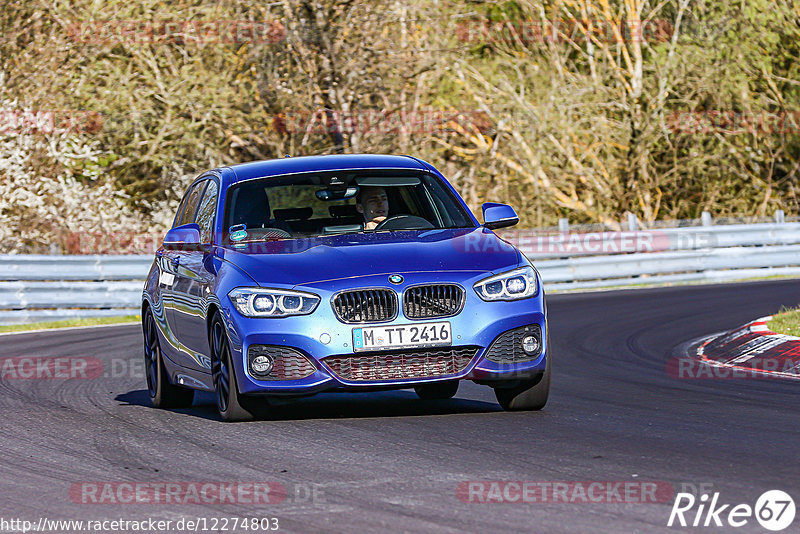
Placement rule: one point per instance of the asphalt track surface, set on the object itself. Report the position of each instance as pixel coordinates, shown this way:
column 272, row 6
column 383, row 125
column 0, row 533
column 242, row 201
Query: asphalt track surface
column 390, row 462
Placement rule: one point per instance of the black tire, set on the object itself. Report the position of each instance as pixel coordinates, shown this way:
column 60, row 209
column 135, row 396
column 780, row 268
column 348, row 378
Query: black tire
column 529, row 395
column 162, row 393
column 437, row 390
column 232, row 406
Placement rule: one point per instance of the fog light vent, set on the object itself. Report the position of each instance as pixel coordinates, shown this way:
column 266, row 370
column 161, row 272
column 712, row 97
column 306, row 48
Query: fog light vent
column 518, row 345
column 272, row 362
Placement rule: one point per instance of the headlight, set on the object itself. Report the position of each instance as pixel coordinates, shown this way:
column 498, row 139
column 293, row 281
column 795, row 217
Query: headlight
column 260, row 302
column 514, row 285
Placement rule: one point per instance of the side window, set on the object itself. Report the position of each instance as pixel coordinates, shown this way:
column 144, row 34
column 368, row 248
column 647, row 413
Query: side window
column 206, row 212
column 448, row 206
column 192, row 201
column 180, row 210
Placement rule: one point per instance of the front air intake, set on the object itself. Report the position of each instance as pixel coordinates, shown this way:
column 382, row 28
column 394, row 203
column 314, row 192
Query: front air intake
column 365, row 305
column 403, row 364
column 432, row 301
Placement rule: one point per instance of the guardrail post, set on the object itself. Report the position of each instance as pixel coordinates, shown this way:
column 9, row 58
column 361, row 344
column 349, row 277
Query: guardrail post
column 633, row 223
column 563, row 225
column 779, row 216
column 706, row 219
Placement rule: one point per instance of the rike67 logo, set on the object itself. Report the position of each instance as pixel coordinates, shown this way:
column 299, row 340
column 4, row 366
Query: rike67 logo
column 774, row 510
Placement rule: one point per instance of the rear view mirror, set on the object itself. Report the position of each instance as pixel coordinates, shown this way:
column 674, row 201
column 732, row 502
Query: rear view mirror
column 337, row 193
column 184, row 237
column 388, row 181
column 498, row 215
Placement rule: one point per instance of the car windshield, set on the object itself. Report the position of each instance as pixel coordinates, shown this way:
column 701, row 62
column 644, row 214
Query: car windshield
column 317, row 204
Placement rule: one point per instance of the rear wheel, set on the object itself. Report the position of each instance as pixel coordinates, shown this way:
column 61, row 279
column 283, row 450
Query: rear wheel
column 437, row 390
column 163, row 394
column 528, row 395
column 232, row 406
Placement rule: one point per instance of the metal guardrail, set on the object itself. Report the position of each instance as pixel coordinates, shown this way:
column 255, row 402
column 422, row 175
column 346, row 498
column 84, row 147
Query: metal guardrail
column 38, row 288
column 586, row 260
column 83, row 295
column 43, row 267
column 658, row 267
column 538, row 245
column 48, row 288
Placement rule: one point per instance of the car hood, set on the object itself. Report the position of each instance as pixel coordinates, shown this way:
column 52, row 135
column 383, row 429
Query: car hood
column 305, row 261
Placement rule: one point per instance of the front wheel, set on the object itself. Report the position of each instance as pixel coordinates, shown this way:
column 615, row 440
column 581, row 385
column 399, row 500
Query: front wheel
column 162, row 393
column 232, row 406
column 529, row 395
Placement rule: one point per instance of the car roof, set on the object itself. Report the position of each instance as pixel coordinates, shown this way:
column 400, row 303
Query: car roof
column 333, row 162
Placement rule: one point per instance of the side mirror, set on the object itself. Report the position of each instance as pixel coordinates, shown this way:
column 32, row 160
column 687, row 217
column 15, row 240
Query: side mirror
column 184, row 237
column 498, row 215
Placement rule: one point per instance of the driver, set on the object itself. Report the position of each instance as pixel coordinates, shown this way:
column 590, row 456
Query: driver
column 373, row 203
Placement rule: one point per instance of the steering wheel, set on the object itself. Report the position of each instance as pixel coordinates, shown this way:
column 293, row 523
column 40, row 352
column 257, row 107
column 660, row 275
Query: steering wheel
column 404, row 222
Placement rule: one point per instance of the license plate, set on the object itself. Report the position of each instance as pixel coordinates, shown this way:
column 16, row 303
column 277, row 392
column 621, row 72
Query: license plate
column 401, row 336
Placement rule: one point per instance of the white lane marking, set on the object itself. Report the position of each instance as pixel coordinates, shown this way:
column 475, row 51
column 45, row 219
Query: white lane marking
column 63, row 328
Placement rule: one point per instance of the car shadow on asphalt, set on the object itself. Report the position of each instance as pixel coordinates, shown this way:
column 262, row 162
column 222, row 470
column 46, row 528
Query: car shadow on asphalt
column 333, row 406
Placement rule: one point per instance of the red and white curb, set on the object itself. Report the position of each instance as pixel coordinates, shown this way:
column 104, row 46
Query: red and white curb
column 754, row 350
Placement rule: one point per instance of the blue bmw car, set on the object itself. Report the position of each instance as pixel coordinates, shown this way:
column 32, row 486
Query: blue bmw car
column 291, row 277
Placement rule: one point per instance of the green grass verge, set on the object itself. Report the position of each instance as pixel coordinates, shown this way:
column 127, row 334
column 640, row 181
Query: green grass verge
column 89, row 321
column 786, row 321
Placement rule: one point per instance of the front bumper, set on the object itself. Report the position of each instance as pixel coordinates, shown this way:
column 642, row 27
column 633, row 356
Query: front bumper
column 477, row 325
